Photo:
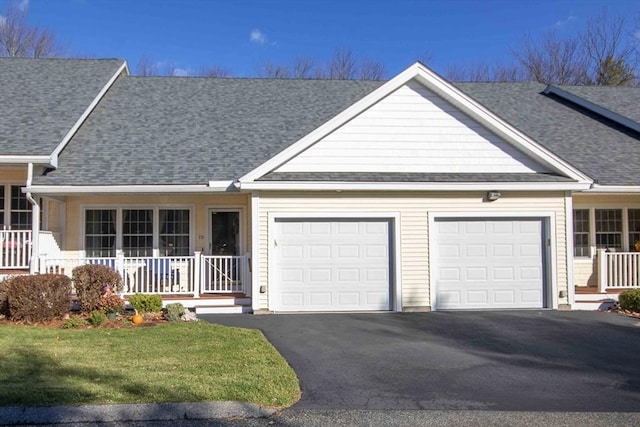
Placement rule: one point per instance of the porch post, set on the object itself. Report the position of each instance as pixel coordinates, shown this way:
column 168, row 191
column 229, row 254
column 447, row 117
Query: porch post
column 601, row 258
column 42, row 264
column 197, row 269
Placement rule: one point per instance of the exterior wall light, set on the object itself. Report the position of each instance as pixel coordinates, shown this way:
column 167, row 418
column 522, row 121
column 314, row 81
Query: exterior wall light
column 492, row 196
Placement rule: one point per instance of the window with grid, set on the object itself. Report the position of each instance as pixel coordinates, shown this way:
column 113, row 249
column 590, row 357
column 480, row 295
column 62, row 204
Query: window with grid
column 20, row 209
column 581, row 232
column 609, row 228
column 137, row 232
column 174, row 232
column 100, row 232
column 634, row 229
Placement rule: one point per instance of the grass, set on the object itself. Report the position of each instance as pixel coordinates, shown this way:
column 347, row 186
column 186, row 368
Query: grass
column 176, row 362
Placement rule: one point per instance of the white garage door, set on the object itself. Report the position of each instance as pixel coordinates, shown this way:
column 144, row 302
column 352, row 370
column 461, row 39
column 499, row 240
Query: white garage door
column 489, row 263
column 331, row 265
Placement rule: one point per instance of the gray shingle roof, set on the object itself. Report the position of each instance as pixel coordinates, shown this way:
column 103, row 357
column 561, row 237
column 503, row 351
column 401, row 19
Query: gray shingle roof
column 601, row 149
column 41, row 99
column 171, row 130
column 160, row 130
column 622, row 100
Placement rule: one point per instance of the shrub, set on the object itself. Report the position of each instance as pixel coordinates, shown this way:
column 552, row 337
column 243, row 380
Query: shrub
column 173, row 312
column 73, row 322
column 90, row 281
column 146, row 303
column 38, row 298
column 4, row 302
column 97, row 318
column 630, row 300
column 111, row 303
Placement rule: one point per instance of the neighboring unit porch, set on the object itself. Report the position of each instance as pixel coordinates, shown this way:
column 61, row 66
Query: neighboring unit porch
column 613, row 273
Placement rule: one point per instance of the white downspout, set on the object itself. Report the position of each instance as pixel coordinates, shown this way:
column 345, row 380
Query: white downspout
column 35, row 224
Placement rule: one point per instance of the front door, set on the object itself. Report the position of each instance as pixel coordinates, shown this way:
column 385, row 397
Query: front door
column 225, row 233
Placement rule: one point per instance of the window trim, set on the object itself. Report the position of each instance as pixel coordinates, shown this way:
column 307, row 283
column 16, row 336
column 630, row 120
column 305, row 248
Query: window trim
column 155, row 208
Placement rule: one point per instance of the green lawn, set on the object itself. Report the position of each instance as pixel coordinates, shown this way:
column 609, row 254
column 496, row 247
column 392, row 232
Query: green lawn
column 177, row 362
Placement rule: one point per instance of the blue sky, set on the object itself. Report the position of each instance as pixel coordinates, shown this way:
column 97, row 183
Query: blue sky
column 240, row 35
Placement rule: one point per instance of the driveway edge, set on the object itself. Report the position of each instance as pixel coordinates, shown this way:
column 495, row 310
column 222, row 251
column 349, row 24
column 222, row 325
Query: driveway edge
column 16, row 415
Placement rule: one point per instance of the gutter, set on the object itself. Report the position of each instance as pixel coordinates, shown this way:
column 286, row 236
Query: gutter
column 612, row 189
column 412, row 186
column 35, row 224
column 213, row 187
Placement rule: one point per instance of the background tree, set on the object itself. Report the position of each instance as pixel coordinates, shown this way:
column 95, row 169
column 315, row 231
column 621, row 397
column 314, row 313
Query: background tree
column 20, row 39
column 343, row 65
column 602, row 53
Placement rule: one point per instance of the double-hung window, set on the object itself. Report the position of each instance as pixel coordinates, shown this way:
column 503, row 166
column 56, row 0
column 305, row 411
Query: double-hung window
column 100, row 232
column 608, row 228
column 581, row 232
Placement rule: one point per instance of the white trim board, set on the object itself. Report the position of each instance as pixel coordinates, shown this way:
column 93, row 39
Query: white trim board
column 421, row 186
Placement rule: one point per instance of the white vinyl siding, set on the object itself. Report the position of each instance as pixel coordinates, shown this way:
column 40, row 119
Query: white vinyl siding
column 412, row 130
column 414, row 209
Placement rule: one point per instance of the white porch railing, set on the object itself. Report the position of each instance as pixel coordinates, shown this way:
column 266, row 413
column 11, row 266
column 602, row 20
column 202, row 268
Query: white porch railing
column 224, row 274
column 618, row 270
column 188, row 275
column 15, row 249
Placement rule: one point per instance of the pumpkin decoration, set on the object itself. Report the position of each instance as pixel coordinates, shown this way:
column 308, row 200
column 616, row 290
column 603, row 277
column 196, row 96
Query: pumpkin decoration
column 137, row 319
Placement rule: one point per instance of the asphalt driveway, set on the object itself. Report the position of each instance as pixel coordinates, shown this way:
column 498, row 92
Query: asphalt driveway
column 507, row 361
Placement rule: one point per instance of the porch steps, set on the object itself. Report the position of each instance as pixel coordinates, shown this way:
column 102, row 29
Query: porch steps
column 588, row 298
column 214, row 303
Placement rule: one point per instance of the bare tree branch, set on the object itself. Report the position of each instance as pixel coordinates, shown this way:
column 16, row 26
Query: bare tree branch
column 19, row 39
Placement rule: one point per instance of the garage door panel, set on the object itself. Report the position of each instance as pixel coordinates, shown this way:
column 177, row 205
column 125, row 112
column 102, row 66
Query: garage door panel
column 500, row 263
column 344, row 264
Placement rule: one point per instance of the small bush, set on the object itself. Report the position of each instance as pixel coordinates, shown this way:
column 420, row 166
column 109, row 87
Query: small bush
column 90, row 281
column 74, row 322
column 145, row 303
column 111, row 303
column 173, row 312
column 38, row 298
column 630, row 300
column 96, row 318
column 4, row 302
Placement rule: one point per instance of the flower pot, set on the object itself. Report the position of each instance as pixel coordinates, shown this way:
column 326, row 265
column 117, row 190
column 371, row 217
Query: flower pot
column 112, row 315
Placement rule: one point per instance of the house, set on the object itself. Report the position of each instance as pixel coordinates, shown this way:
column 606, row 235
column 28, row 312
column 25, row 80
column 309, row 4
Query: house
column 283, row 195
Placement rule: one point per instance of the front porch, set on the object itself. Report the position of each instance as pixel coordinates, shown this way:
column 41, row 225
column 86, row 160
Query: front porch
column 208, row 283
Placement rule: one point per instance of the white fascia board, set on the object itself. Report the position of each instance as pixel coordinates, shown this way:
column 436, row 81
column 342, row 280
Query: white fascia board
column 616, row 189
column 85, row 114
column 604, row 112
column 18, row 160
column 439, row 85
column 413, row 186
column 122, row 189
